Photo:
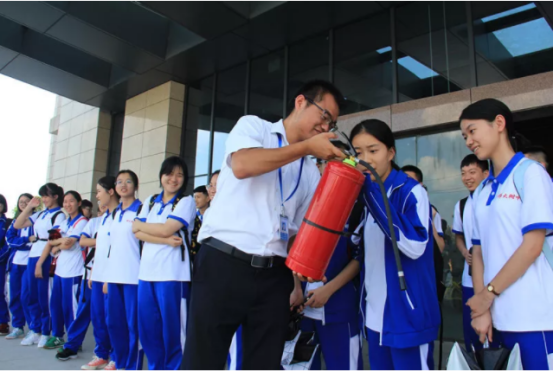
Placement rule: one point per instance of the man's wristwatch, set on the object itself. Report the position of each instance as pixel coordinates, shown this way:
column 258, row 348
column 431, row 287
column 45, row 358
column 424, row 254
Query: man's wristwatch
column 490, row 289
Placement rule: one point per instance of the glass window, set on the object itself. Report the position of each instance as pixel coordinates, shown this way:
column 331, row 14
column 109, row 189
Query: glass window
column 308, row 60
column 229, row 107
column 197, row 145
column 512, row 40
column 200, row 180
column 433, row 55
column 267, row 82
column 362, row 64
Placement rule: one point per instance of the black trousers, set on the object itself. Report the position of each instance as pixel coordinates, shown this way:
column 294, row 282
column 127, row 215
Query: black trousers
column 226, row 293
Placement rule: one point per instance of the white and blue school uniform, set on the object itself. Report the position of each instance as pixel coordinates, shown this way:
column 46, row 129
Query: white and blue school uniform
column 122, row 271
column 164, row 283
column 400, row 325
column 4, row 256
column 336, row 324
column 18, row 240
column 40, row 288
column 67, row 277
column 464, row 227
column 78, row 329
column 99, row 300
column 523, row 312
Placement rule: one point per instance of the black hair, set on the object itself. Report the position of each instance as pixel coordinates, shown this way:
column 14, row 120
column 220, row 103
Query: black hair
column 415, row 170
column 86, row 203
column 201, row 189
column 108, row 182
column 488, row 109
column 77, row 197
column 215, row 173
column 51, row 190
column 169, row 164
column 17, row 210
column 378, row 129
column 538, row 151
column 315, row 90
column 133, row 175
column 5, row 203
column 472, row 159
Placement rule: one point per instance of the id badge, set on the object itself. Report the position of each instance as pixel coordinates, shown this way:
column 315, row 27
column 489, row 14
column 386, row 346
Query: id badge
column 284, row 228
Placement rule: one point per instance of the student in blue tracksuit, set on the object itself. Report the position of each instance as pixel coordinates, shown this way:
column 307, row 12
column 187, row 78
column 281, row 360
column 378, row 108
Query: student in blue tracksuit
column 68, row 271
column 19, row 241
column 512, row 275
column 78, row 329
column 106, row 195
column 4, row 256
column 400, row 325
column 165, row 269
column 332, row 311
column 39, row 306
column 122, row 271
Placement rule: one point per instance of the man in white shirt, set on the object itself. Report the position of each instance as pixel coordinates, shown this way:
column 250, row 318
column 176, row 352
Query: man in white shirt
column 263, row 191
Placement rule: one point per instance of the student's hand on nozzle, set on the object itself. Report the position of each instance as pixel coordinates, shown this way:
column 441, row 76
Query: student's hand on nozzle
column 174, row 241
column 317, row 298
column 297, row 299
column 321, row 147
column 308, row 279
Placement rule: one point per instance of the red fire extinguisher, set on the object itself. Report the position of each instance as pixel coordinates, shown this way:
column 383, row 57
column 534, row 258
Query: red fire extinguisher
column 324, row 222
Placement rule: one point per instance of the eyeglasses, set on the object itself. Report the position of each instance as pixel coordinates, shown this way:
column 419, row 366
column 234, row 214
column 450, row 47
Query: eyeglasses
column 325, row 115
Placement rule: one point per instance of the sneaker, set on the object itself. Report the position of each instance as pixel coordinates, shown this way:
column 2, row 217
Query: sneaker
column 53, row 343
column 79, row 350
column 42, row 341
column 16, row 333
column 110, row 366
column 66, row 354
column 31, row 338
column 4, row 329
column 96, row 364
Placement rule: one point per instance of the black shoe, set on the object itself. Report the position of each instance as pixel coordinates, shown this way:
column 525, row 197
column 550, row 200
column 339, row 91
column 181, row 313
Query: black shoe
column 66, row 354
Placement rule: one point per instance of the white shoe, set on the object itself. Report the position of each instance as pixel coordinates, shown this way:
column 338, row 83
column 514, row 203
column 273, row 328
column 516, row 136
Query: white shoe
column 42, row 341
column 30, row 339
column 16, row 333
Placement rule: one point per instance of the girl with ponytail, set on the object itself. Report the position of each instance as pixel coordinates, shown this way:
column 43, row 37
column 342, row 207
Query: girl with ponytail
column 511, row 269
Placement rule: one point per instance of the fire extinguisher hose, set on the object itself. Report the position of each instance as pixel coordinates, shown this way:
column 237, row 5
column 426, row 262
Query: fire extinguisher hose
column 399, row 269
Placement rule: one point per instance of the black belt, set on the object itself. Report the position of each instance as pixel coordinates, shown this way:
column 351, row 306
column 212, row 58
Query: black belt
column 255, row 261
column 42, row 239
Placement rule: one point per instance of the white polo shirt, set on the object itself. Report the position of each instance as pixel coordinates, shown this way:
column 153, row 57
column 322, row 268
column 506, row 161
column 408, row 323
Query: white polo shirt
column 246, row 213
column 42, row 223
column 90, row 232
column 21, row 257
column 122, row 266
column 459, row 227
column 501, row 220
column 437, row 221
column 164, row 262
column 102, row 248
column 70, row 262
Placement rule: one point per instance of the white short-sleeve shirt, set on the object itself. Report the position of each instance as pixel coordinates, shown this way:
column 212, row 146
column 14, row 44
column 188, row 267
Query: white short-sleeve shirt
column 102, row 248
column 42, row 223
column 90, row 232
column 70, row 262
column 437, row 222
column 501, row 220
column 164, row 262
column 122, row 266
column 465, row 229
column 246, row 213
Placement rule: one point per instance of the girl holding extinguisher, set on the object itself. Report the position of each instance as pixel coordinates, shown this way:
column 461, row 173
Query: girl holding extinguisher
column 400, row 324
column 512, row 263
column 68, row 271
column 52, row 197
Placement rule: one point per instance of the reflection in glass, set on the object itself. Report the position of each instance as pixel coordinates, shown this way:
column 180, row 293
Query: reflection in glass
column 433, row 54
column 511, row 41
column 197, row 145
column 267, row 77
column 362, row 64
column 229, row 107
column 308, row 60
